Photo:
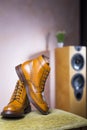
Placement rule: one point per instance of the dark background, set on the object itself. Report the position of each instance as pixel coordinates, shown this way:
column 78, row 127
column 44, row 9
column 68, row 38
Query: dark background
column 83, row 22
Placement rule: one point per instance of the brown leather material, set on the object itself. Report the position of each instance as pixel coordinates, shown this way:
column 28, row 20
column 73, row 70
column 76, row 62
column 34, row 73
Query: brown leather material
column 34, row 74
column 19, row 104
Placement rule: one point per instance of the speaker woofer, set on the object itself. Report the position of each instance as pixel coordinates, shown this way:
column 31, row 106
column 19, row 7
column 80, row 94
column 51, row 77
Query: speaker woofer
column 77, row 62
column 78, row 84
column 77, row 81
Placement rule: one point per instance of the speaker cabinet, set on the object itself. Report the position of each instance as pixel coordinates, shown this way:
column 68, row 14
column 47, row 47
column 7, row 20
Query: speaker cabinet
column 70, row 71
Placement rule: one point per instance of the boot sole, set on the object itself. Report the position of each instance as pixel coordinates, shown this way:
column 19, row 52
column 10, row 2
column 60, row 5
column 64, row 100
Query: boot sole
column 22, row 78
column 9, row 114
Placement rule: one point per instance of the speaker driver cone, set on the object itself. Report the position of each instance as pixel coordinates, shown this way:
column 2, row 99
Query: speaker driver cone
column 78, row 81
column 78, row 84
column 77, row 62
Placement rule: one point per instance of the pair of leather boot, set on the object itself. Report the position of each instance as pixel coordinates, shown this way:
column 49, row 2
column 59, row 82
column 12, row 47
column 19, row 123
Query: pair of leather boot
column 30, row 87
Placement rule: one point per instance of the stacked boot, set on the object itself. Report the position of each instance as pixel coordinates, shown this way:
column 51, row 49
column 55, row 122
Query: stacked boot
column 32, row 77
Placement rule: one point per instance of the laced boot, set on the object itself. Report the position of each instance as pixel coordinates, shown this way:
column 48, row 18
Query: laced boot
column 34, row 74
column 19, row 104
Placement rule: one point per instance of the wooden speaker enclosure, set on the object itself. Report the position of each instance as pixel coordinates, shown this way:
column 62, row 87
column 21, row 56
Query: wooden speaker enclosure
column 64, row 92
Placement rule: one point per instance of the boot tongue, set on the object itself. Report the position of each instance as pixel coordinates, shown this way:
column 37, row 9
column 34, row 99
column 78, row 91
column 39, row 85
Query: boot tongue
column 44, row 60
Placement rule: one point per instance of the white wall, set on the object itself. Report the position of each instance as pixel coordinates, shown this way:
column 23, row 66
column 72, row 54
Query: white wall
column 24, row 29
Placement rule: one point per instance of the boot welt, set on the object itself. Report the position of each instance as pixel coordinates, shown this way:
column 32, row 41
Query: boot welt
column 22, row 78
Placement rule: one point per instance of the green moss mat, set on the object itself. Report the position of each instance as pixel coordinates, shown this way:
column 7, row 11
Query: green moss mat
column 56, row 120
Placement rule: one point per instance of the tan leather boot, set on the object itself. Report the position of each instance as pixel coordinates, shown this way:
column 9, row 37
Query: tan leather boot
column 34, row 74
column 19, row 104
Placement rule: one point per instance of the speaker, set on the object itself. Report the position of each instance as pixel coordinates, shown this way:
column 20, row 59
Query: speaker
column 70, row 77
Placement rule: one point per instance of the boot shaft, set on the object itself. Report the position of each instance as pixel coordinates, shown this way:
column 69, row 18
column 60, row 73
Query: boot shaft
column 36, row 71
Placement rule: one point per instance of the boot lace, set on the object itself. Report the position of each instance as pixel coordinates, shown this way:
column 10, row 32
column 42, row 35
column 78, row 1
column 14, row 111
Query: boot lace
column 17, row 92
column 43, row 79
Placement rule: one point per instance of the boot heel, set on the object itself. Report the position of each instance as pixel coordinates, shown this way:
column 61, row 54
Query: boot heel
column 19, row 73
column 27, row 109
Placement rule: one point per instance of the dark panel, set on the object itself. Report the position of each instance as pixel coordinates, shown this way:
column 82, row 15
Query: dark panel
column 83, row 22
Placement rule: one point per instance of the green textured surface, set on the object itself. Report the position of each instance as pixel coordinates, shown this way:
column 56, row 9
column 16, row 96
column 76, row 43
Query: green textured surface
column 56, row 120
